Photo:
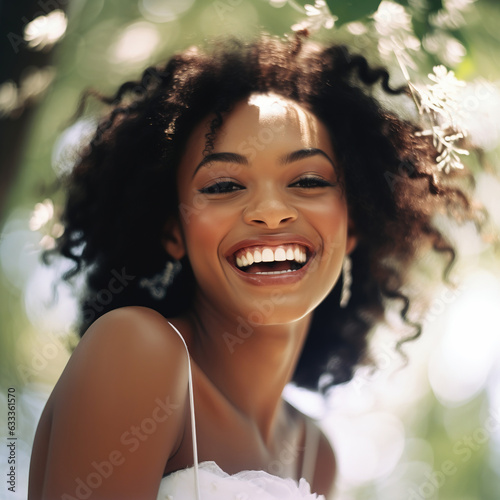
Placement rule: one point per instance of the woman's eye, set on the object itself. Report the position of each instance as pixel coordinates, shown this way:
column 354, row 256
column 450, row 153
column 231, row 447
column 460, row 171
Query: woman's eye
column 221, row 187
column 311, row 182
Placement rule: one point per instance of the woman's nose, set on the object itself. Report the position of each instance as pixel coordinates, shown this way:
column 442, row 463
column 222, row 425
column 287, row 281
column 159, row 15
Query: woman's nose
column 271, row 210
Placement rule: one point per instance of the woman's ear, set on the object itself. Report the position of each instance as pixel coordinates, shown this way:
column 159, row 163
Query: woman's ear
column 172, row 239
column 352, row 239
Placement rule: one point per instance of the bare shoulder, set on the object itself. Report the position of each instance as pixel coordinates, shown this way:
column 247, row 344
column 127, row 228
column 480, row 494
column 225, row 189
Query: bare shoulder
column 132, row 347
column 133, row 326
column 119, row 404
column 131, row 353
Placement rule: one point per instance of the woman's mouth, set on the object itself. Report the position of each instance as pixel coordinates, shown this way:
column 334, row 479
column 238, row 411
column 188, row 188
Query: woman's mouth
column 271, row 260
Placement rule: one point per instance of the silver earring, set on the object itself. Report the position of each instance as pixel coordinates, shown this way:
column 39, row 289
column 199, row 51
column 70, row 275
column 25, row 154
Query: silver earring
column 345, row 294
column 157, row 285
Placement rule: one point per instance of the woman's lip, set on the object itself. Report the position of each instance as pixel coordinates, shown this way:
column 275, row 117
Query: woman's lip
column 272, row 241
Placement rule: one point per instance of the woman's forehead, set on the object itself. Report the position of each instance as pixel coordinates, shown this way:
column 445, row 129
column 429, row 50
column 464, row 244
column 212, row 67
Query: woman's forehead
column 273, row 116
column 273, row 107
column 261, row 124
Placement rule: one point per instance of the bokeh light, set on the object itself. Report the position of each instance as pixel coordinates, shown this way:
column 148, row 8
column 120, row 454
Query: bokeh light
column 135, row 44
column 68, row 146
column 45, row 31
column 19, row 247
column 460, row 366
column 161, row 11
column 371, row 444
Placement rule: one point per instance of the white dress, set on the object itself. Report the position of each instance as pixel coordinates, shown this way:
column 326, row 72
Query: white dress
column 207, row 481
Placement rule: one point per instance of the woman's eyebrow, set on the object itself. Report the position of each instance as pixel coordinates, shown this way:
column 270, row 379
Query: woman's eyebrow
column 222, row 157
column 242, row 160
column 304, row 153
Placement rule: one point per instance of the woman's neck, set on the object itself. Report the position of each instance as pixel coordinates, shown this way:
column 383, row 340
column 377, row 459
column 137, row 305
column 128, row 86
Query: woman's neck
column 249, row 364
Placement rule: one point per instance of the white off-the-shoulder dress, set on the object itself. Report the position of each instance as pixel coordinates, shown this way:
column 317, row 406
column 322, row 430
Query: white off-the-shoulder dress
column 207, row 481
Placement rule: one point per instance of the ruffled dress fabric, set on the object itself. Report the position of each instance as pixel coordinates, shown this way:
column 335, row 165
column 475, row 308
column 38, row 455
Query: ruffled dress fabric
column 215, row 484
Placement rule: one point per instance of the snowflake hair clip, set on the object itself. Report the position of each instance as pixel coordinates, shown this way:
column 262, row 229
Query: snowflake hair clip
column 440, row 104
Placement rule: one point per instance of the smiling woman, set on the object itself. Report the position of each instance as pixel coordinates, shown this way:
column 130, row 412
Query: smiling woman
column 257, row 172
column 284, row 197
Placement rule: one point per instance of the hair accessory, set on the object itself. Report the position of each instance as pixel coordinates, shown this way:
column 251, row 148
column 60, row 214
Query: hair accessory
column 157, row 285
column 440, row 105
column 345, row 294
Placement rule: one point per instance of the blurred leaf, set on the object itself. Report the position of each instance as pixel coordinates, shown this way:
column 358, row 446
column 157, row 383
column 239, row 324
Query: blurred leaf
column 431, row 5
column 352, row 11
column 420, row 27
column 434, row 5
column 404, row 3
column 420, row 20
column 459, row 35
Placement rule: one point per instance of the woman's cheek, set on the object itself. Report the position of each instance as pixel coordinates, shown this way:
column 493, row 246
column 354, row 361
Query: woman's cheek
column 329, row 216
column 205, row 232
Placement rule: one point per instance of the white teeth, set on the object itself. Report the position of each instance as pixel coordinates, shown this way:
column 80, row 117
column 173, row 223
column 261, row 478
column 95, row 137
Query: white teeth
column 291, row 252
column 299, row 255
column 267, row 255
column 280, row 255
column 249, row 257
column 275, row 272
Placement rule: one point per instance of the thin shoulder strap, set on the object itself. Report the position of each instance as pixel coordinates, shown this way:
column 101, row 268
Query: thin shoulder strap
column 311, row 443
column 193, row 423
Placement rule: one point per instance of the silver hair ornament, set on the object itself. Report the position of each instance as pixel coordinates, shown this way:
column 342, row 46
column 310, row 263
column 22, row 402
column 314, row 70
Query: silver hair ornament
column 440, row 104
column 157, row 285
column 345, row 294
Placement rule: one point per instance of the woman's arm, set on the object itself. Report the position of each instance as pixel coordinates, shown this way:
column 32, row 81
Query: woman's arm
column 117, row 412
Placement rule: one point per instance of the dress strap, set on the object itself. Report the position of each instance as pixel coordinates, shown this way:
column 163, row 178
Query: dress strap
column 311, row 443
column 193, row 423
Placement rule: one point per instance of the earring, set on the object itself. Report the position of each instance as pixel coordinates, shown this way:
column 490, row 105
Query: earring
column 157, row 285
column 345, row 294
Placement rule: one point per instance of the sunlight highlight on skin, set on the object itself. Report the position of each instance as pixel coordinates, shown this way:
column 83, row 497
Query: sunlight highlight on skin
column 271, row 106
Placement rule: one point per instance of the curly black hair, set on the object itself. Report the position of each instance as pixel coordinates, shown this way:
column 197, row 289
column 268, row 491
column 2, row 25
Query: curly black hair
column 122, row 189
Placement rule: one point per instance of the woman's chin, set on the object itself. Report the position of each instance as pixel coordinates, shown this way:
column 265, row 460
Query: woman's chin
column 267, row 314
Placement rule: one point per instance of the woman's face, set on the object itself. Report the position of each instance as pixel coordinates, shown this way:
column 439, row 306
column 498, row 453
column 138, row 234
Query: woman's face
column 262, row 218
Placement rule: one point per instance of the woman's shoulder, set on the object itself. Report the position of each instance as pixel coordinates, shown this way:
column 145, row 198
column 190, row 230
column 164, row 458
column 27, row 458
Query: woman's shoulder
column 140, row 333
column 134, row 326
column 126, row 380
column 129, row 342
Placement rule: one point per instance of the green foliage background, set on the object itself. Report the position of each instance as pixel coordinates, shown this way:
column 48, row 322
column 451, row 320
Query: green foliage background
column 84, row 58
